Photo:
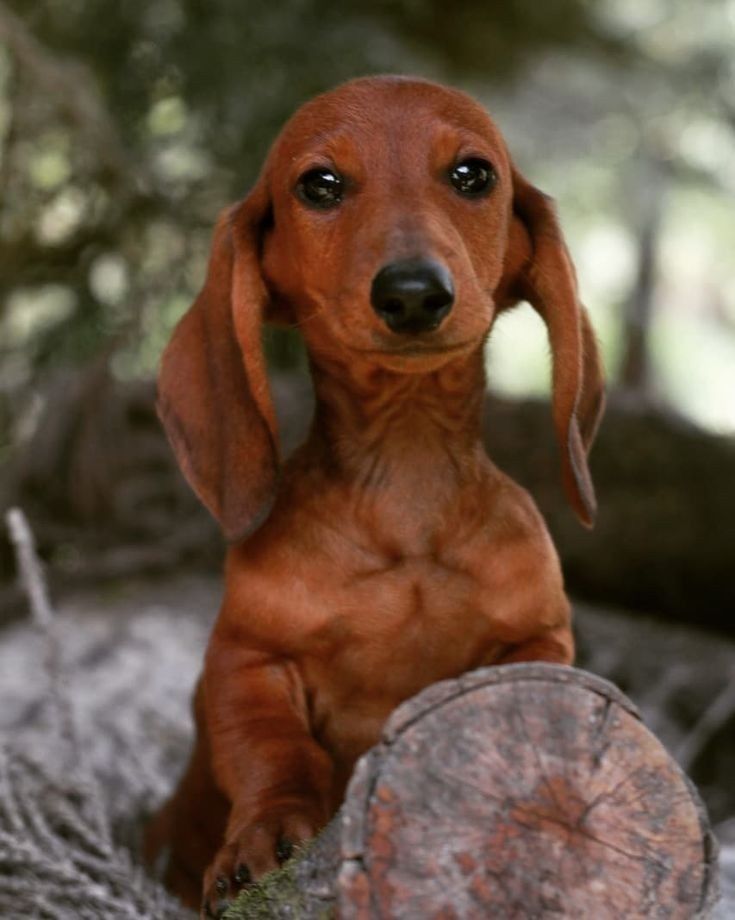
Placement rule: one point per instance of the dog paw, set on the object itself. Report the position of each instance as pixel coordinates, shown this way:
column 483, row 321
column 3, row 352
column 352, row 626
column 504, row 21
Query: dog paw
column 252, row 850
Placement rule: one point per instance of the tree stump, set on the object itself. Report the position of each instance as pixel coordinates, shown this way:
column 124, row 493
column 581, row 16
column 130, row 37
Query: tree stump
column 517, row 792
column 522, row 791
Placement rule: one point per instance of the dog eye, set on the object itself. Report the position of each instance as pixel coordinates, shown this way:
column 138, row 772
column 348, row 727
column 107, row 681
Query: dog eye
column 473, row 176
column 320, row 188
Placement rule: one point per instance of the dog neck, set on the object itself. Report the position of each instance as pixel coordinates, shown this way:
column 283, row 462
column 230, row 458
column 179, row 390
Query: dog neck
column 377, row 427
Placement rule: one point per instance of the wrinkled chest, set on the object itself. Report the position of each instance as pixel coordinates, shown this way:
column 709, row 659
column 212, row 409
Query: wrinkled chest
column 391, row 633
column 411, row 613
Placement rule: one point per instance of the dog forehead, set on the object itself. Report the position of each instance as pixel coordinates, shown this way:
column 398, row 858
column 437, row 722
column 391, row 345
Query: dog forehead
column 373, row 108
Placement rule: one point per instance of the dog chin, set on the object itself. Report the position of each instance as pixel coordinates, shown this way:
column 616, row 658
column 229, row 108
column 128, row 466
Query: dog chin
column 418, row 359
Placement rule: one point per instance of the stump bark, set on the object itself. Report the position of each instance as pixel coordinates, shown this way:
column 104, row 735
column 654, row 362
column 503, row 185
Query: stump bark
column 521, row 791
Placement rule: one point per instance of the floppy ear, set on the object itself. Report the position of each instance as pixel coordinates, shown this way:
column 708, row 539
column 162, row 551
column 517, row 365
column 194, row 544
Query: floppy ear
column 538, row 269
column 213, row 396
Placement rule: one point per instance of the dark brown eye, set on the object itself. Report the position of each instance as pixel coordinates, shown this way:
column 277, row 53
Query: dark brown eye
column 320, row 188
column 473, row 177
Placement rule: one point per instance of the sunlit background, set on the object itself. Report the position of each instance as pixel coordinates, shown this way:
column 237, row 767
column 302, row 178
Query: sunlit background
column 641, row 159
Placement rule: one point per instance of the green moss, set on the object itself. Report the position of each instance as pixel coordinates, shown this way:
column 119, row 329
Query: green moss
column 276, row 895
column 275, row 890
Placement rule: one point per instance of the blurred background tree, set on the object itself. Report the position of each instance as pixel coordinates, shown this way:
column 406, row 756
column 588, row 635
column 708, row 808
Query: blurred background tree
column 125, row 127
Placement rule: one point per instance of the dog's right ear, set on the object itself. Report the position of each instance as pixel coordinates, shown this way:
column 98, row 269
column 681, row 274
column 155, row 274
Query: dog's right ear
column 539, row 269
column 213, row 396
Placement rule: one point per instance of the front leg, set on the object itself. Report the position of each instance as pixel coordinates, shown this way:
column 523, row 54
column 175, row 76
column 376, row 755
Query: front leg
column 555, row 646
column 533, row 613
column 275, row 775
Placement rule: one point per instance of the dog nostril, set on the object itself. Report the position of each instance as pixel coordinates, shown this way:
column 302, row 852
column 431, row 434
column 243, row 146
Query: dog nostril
column 412, row 296
column 393, row 307
column 435, row 303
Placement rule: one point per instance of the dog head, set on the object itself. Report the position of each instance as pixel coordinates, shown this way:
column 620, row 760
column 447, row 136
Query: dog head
column 391, row 225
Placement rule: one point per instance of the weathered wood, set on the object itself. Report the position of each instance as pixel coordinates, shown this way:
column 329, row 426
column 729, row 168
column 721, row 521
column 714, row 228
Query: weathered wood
column 522, row 791
column 518, row 792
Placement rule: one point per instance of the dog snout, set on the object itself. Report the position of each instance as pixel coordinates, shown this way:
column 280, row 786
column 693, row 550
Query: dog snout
column 412, row 296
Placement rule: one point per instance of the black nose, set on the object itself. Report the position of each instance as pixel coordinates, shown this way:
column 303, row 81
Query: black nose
column 413, row 295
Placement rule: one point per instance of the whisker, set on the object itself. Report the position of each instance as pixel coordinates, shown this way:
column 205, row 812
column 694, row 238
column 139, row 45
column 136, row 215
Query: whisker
column 307, row 319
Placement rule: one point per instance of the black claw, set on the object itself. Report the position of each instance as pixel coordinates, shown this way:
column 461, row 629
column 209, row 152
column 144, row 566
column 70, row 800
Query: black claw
column 242, row 875
column 221, row 886
column 284, row 850
column 222, row 907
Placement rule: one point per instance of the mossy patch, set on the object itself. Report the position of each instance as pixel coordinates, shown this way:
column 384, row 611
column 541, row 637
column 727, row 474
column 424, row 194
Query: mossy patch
column 277, row 895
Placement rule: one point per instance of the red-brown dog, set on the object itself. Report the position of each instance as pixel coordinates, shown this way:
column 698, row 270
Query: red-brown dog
column 390, row 225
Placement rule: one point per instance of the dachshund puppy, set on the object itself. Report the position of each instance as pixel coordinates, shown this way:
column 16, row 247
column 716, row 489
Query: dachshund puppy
column 390, row 225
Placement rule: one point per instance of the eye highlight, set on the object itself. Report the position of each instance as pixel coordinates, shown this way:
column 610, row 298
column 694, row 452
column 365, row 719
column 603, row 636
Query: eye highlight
column 320, row 187
column 473, row 177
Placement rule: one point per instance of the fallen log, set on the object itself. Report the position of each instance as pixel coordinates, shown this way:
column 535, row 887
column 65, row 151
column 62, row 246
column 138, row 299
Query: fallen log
column 520, row 791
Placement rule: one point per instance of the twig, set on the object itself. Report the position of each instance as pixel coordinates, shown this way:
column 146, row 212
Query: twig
column 716, row 716
column 34, row 584
column 29, row 568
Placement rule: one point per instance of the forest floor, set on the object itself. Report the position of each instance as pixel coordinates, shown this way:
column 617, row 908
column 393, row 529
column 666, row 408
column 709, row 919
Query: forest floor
column 132, row 651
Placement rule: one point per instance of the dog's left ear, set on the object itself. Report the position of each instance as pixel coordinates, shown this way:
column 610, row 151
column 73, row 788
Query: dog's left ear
column 538, row 269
